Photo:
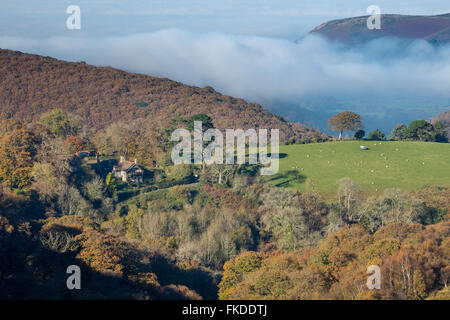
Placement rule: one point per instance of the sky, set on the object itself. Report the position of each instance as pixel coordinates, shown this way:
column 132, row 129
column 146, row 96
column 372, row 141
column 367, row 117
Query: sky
column 246, row 48
column 272, row 18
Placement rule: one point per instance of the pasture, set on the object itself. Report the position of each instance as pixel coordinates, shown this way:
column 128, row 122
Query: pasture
column 387, row 164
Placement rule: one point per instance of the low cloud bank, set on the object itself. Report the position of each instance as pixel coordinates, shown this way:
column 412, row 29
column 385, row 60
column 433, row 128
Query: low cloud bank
column 266, row 69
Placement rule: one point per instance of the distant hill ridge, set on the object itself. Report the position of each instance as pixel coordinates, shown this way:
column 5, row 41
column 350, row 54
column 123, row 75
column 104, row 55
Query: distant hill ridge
column 434, row 29
column 31, row 85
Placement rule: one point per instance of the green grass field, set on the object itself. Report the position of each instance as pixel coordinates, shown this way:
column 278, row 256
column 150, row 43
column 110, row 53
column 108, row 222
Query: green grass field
column 406, row 165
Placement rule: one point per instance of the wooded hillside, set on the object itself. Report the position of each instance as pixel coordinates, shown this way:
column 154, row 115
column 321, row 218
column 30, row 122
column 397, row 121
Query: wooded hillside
column 31, row 85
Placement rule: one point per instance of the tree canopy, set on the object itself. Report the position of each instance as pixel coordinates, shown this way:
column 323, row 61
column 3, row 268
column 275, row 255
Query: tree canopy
column 17, row 151
column 345, row 121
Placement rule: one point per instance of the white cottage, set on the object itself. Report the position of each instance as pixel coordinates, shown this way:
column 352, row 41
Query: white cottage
column 128, row 171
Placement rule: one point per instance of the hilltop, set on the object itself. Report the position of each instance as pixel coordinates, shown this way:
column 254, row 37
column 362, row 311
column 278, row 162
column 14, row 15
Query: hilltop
column 31, row 85
column 353, row 31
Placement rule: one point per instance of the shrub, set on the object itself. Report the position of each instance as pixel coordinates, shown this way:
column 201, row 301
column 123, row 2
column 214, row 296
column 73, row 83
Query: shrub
column 420, row 130
column 179, row 172
column 440, row 132
column 398, row 133
column 376, row 135
column 359, row 134
column 141, row 104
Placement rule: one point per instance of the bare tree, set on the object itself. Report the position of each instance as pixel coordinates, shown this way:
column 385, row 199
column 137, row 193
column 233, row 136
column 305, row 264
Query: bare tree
column 56, row 241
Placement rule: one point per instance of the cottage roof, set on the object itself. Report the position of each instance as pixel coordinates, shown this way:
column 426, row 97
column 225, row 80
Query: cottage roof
column 125, row 166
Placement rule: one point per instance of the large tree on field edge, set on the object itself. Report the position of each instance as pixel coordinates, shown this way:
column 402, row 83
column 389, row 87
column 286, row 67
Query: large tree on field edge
column 345, row 121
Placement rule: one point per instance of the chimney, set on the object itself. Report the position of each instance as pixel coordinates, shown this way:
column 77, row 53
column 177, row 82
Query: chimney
column 122, row 159
column 135, row 160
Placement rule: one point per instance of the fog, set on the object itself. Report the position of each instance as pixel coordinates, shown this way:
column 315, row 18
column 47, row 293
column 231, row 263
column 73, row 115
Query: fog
column 388, row 77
